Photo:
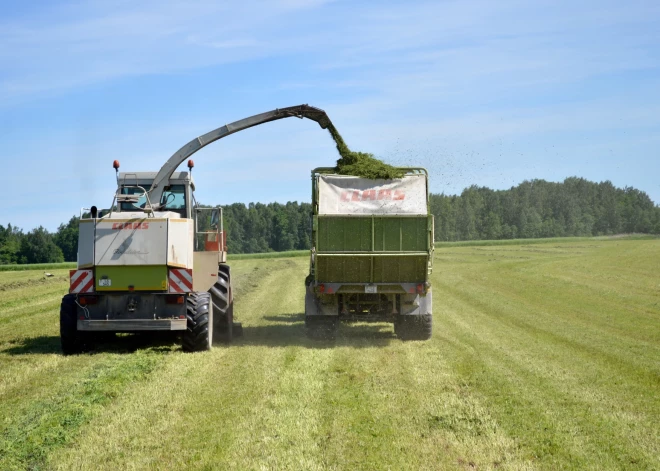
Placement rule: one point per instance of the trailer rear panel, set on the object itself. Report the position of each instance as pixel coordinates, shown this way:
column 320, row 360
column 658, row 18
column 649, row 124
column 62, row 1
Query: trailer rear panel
column 372, row 231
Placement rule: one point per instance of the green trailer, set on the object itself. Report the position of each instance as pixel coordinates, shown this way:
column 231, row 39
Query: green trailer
column 372, row 253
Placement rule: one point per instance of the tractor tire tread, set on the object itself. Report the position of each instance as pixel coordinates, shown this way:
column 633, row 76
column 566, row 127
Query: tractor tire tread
column 72, row 341
column 223, row 307
column 196, row 335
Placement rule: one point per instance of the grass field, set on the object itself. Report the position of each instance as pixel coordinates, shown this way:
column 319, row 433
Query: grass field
column 544, row 356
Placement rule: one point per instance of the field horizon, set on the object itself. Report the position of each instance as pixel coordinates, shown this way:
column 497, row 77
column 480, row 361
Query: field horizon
column 305, row 252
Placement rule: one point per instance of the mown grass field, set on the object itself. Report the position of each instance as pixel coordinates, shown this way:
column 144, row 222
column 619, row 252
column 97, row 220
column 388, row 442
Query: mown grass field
column 544, row 356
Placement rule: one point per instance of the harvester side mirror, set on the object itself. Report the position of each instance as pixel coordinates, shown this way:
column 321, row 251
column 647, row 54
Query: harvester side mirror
column 94, row 210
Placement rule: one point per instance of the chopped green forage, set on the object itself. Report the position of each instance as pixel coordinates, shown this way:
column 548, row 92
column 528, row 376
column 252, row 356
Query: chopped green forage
column 361, row 164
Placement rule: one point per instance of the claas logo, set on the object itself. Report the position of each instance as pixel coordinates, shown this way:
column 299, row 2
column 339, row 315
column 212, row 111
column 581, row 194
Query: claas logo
column 373, row 195
column 130, row 225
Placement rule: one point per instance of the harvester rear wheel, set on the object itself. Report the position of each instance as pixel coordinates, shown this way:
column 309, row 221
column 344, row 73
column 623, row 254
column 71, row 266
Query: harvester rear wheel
column 419, row 327
column 71, row 340
column 198, row 336
column 223, row 306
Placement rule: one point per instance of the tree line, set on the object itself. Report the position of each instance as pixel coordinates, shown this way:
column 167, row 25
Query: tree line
column 537, row 208
column 534, row 208
column 39, row 245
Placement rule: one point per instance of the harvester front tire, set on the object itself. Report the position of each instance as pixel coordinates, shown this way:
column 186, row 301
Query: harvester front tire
column 71, row 340
column 198, row 336
column 418, row 327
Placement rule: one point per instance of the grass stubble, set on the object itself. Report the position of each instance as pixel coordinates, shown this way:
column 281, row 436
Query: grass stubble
column 544, row 356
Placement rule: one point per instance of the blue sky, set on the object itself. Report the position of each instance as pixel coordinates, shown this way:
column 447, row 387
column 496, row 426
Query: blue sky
column 489, row 93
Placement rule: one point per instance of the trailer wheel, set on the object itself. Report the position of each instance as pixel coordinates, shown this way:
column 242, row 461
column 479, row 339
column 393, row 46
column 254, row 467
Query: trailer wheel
column 71, row 340
column 223, row 307
column 321, row 327
column 418, row 327
column 198, row 336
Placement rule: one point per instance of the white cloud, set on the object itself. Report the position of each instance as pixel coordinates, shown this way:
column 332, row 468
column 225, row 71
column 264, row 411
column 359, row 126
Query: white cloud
column 79, row 44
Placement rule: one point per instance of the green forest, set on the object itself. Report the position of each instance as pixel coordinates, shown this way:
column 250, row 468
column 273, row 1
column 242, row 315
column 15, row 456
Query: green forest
column 533, row 209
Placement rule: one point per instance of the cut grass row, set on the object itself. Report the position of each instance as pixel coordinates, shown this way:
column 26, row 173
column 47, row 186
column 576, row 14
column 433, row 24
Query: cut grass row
column 543, row 357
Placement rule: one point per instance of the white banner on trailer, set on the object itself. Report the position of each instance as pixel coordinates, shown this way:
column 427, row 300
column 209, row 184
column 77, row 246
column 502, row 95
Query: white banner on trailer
column 340, row 194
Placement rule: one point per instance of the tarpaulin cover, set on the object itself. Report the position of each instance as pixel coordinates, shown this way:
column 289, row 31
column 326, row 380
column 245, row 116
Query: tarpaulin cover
column 340, row 194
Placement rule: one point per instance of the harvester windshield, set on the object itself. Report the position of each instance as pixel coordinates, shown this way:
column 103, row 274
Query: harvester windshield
column 173, row 199
column 134, row 190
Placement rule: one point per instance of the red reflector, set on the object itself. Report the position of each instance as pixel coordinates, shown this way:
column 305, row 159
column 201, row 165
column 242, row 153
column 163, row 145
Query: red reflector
column 131, row 287
column 174, row 299
column 321, row 288
column 420, row 288
column 82, row 318
column 88, row 300
column 182, row 317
